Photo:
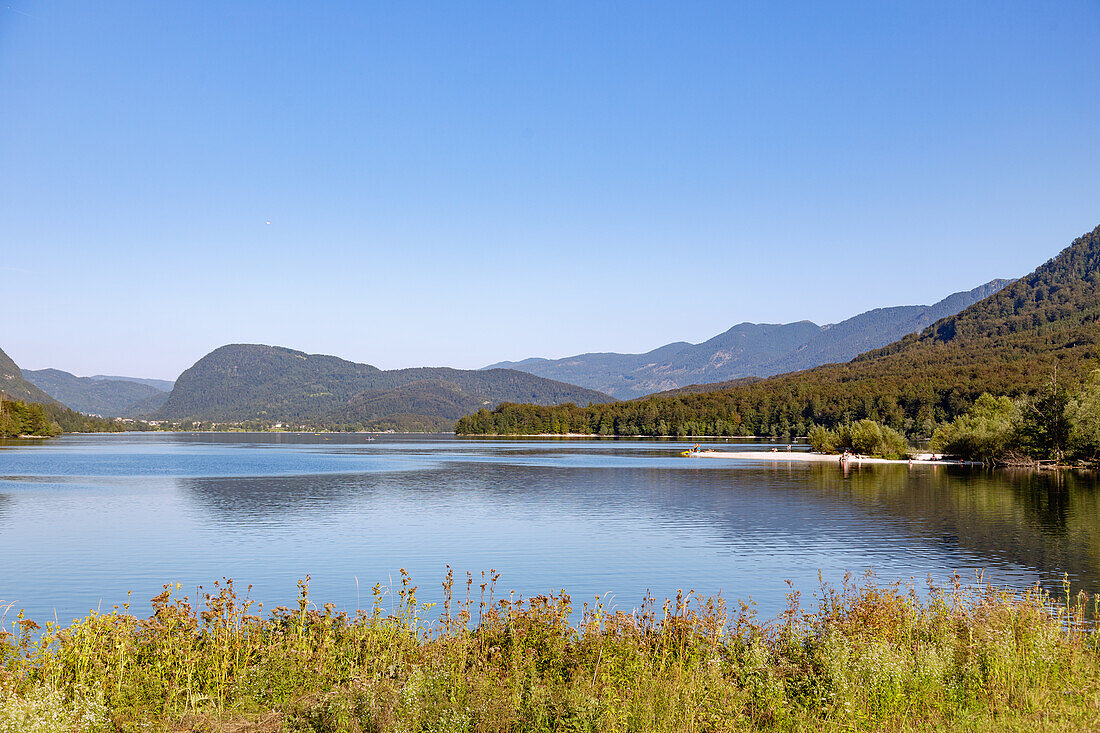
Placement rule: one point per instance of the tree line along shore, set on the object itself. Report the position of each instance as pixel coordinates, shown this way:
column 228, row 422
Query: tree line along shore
column 20, row 418
column 1054, row 425
column 1040, row 330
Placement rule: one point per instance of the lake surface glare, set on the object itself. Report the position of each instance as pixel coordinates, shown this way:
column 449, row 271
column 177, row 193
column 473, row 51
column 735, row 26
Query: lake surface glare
column 86, row 518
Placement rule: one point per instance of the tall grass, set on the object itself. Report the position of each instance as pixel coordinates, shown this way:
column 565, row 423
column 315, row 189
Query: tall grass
column 864, row 656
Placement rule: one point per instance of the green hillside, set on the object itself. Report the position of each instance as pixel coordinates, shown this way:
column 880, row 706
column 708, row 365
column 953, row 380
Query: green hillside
column 107, row 397
column 1008, row 344
column 27, row 410
column 13, row 384
column 161, row 385
column 147, row 407
column 247, row 382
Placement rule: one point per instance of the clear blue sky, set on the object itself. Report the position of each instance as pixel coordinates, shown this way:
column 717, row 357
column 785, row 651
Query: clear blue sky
column 458, row 183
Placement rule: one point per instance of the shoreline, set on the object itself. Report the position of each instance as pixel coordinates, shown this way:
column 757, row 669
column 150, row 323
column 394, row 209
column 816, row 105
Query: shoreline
column 805, row 457
column 682, row 438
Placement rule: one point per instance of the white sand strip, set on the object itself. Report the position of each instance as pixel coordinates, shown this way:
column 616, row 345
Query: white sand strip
column 804, row 457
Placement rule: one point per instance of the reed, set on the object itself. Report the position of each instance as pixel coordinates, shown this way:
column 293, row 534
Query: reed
column 862, row 656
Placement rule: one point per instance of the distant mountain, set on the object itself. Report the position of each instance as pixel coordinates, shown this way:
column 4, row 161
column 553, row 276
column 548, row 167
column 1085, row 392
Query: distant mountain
column 148, row 407
column 162, row 385
column 1044, row 325
column 844, row 341
column 107, row 397
column 51, row 418
column 14, row 385
column 245, row 382
column 747, row 349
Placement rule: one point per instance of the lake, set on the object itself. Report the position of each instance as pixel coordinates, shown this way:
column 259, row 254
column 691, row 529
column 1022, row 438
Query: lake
column 86, row 518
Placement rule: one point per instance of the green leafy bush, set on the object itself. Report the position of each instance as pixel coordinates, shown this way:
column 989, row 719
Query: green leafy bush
column 988, row 432
column 822, row 440
column 1083, row 417
column 865, row 437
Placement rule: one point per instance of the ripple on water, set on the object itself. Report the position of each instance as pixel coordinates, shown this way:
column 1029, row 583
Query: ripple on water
column 86, row 518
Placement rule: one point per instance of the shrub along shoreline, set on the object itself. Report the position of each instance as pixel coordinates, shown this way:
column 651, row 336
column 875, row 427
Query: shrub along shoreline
column 1055, row 427
column 865, row 437
column 864, row 656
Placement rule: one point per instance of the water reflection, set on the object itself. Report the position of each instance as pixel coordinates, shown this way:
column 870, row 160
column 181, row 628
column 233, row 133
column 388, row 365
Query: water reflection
column 241, row 498
column 1040, row 522
column 90, row 517
column 1045, row 521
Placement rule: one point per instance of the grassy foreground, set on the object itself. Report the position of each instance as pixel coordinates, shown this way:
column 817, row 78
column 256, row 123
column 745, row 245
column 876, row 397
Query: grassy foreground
column 866, row 656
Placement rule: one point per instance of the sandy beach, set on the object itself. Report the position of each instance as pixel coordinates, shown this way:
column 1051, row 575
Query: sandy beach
column 804, row 457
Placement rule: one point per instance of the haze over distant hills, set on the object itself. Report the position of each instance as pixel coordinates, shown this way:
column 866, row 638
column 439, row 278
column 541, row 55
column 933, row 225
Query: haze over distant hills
column 250, row 382
column 1043, row 326
column 747, row 350
column 162, row 385
column 104, row 396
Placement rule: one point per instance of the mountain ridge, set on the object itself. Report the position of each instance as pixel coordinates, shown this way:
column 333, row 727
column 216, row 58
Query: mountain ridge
column 94, row 396
column 248, row 382
column 16, row 386
column 40, row 413
column 162, row 385
column 747, row 349
column 1013, row 342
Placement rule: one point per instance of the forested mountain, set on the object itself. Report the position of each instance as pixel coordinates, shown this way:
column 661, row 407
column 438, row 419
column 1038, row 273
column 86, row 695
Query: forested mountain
column 108, row 397
column 1009, row 343
column 16, row 386
column 148, row 407
column 247, row 382
column 161, row 385
column 747, row 349
column 26, row 409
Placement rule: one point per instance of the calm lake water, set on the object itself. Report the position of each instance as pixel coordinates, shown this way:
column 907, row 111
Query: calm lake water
column 84, row 519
